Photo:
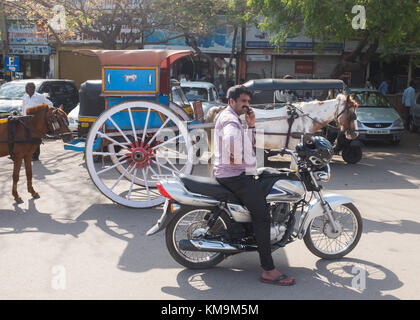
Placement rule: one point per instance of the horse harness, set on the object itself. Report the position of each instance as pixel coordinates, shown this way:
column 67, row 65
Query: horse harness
column 292, row 115
column 12, row 123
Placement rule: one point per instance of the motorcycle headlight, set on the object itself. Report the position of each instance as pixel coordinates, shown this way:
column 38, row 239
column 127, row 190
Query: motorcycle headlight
column 398, row 123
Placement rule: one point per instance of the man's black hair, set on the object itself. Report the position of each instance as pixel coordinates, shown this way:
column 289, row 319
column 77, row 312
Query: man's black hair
column 412, row 83
column 30, row 84
column 237, row 90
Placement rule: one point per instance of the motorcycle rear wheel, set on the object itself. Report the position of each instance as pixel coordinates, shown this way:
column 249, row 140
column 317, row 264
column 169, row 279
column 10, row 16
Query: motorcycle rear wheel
column 322, row 242
column 182, row 227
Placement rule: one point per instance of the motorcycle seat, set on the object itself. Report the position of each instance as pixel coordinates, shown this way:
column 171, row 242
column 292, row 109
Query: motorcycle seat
column 208, row 187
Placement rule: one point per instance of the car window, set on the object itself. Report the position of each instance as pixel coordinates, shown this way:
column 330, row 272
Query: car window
column 179, row 98
column 194, row 94
column 45, row 88
column 58, row 89
column 371, row 99
column 11, row 91
column 216, row 96
column 69, row 89
column 211, row 95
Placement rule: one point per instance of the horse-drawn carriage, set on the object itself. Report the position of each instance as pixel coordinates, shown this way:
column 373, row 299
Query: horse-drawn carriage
column 148, row 129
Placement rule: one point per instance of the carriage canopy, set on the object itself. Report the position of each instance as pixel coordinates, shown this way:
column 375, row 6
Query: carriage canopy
column 137, row 58
column 268, row 91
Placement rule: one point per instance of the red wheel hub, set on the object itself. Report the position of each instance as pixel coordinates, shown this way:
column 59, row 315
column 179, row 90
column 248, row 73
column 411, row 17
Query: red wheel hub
column 140, row 155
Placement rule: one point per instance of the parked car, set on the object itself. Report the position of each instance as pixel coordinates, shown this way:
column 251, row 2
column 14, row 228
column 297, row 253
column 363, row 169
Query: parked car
column 377, row 118
column 73, row 117
column 60, row 92
column 415, row 115
column 206, row 92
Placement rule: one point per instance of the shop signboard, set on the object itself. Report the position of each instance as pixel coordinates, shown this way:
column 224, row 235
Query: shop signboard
column 256, row 38
column 27, row 34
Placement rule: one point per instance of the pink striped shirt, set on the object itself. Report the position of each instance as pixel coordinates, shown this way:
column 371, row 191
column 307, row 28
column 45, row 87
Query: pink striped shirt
column 230, row 137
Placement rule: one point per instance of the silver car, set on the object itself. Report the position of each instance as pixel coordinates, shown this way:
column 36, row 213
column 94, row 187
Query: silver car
column 377, row 118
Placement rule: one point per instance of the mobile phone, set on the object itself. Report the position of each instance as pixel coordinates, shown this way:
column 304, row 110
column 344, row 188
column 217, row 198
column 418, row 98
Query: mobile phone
column 248, row 111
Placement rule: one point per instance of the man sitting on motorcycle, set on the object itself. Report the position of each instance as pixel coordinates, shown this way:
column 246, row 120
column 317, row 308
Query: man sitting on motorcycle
column 235, row 168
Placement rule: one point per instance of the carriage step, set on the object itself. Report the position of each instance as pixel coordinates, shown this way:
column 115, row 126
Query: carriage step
column 75, row 145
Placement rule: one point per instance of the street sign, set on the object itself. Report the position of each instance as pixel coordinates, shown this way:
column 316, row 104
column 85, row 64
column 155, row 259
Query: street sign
column 11, row 63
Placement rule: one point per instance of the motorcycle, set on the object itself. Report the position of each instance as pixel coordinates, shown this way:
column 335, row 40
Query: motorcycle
column 205, row 222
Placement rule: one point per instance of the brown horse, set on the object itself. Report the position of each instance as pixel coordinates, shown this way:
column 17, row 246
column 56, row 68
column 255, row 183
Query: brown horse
column 42, row 119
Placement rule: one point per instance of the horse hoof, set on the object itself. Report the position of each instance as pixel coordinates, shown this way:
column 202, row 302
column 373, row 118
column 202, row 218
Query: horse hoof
column 36, row 196
column 19, row 200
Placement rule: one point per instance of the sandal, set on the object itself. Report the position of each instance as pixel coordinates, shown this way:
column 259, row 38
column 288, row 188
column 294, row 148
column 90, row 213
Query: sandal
column 278, row 281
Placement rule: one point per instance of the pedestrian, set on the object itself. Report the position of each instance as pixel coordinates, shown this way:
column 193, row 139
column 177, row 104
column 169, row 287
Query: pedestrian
column 369, row 84
column 383, row 87
column 235, row 168
column 33, row 99
column 408, row 100
column 308, row 97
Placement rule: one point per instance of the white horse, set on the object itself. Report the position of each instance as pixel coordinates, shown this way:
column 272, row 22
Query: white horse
column 312, row 116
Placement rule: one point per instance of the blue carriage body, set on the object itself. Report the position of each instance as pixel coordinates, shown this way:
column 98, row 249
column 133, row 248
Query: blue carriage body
column 136, row 75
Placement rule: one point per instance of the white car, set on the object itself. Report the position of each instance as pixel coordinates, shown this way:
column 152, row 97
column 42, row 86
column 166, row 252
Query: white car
column 377, row 119
column 204, row 91
column 73, row 118
column 415, row 115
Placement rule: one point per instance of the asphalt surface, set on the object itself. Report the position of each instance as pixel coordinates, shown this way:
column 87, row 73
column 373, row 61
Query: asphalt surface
column 73, row 243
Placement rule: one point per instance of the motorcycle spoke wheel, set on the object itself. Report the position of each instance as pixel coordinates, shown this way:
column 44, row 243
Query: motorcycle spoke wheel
column 185, row 228
column 325, row 243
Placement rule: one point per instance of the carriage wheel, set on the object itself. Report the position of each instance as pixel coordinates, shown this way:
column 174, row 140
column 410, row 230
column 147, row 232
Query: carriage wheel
column 144, row 141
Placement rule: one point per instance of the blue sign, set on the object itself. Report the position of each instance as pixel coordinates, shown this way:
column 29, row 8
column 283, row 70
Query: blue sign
column 11, row 63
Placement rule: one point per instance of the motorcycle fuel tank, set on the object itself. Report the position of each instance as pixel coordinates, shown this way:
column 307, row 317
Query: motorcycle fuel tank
column 287, row 191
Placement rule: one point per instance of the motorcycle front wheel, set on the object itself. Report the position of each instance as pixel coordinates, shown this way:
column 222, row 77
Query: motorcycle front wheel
column 187, row 225
column 323, row 242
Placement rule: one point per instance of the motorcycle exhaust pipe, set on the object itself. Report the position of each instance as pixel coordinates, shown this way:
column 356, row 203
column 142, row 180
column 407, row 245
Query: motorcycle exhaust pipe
column 213, row 246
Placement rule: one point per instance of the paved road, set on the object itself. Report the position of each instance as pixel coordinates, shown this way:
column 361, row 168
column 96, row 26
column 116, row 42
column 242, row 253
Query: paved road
column 73, row 243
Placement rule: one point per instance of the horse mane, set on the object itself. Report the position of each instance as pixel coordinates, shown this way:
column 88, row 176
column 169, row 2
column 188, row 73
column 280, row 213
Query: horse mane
column 37, row 109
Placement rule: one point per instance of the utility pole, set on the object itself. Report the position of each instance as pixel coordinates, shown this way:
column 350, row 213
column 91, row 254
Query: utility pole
column 4, row 34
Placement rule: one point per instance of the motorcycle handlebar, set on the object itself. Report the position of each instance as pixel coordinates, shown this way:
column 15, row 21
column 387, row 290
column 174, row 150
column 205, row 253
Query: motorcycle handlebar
column 291, row 152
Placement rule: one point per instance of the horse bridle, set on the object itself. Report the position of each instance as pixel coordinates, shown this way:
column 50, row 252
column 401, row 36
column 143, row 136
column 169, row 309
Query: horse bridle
column 54, row 123
column 351, row 115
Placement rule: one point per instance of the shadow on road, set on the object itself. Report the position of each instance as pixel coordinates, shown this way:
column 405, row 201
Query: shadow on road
column 131, row 225
column 31, row 220
column 396, row 226
column 344, row 279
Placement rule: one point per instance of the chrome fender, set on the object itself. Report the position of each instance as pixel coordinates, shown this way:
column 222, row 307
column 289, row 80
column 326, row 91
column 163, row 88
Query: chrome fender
column 315, row 209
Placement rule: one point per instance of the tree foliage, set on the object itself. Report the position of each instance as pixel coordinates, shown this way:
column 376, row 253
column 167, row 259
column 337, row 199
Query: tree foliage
column 391, row 26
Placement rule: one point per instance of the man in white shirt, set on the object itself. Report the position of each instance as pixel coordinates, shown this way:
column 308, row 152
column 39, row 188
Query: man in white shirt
column 33, row 99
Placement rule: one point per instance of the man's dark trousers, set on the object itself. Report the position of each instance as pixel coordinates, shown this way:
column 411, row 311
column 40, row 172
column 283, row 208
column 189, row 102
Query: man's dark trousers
column 249, row 191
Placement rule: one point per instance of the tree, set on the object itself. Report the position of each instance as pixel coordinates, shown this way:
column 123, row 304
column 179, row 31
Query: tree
column 391, row 26
column 121, row 23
